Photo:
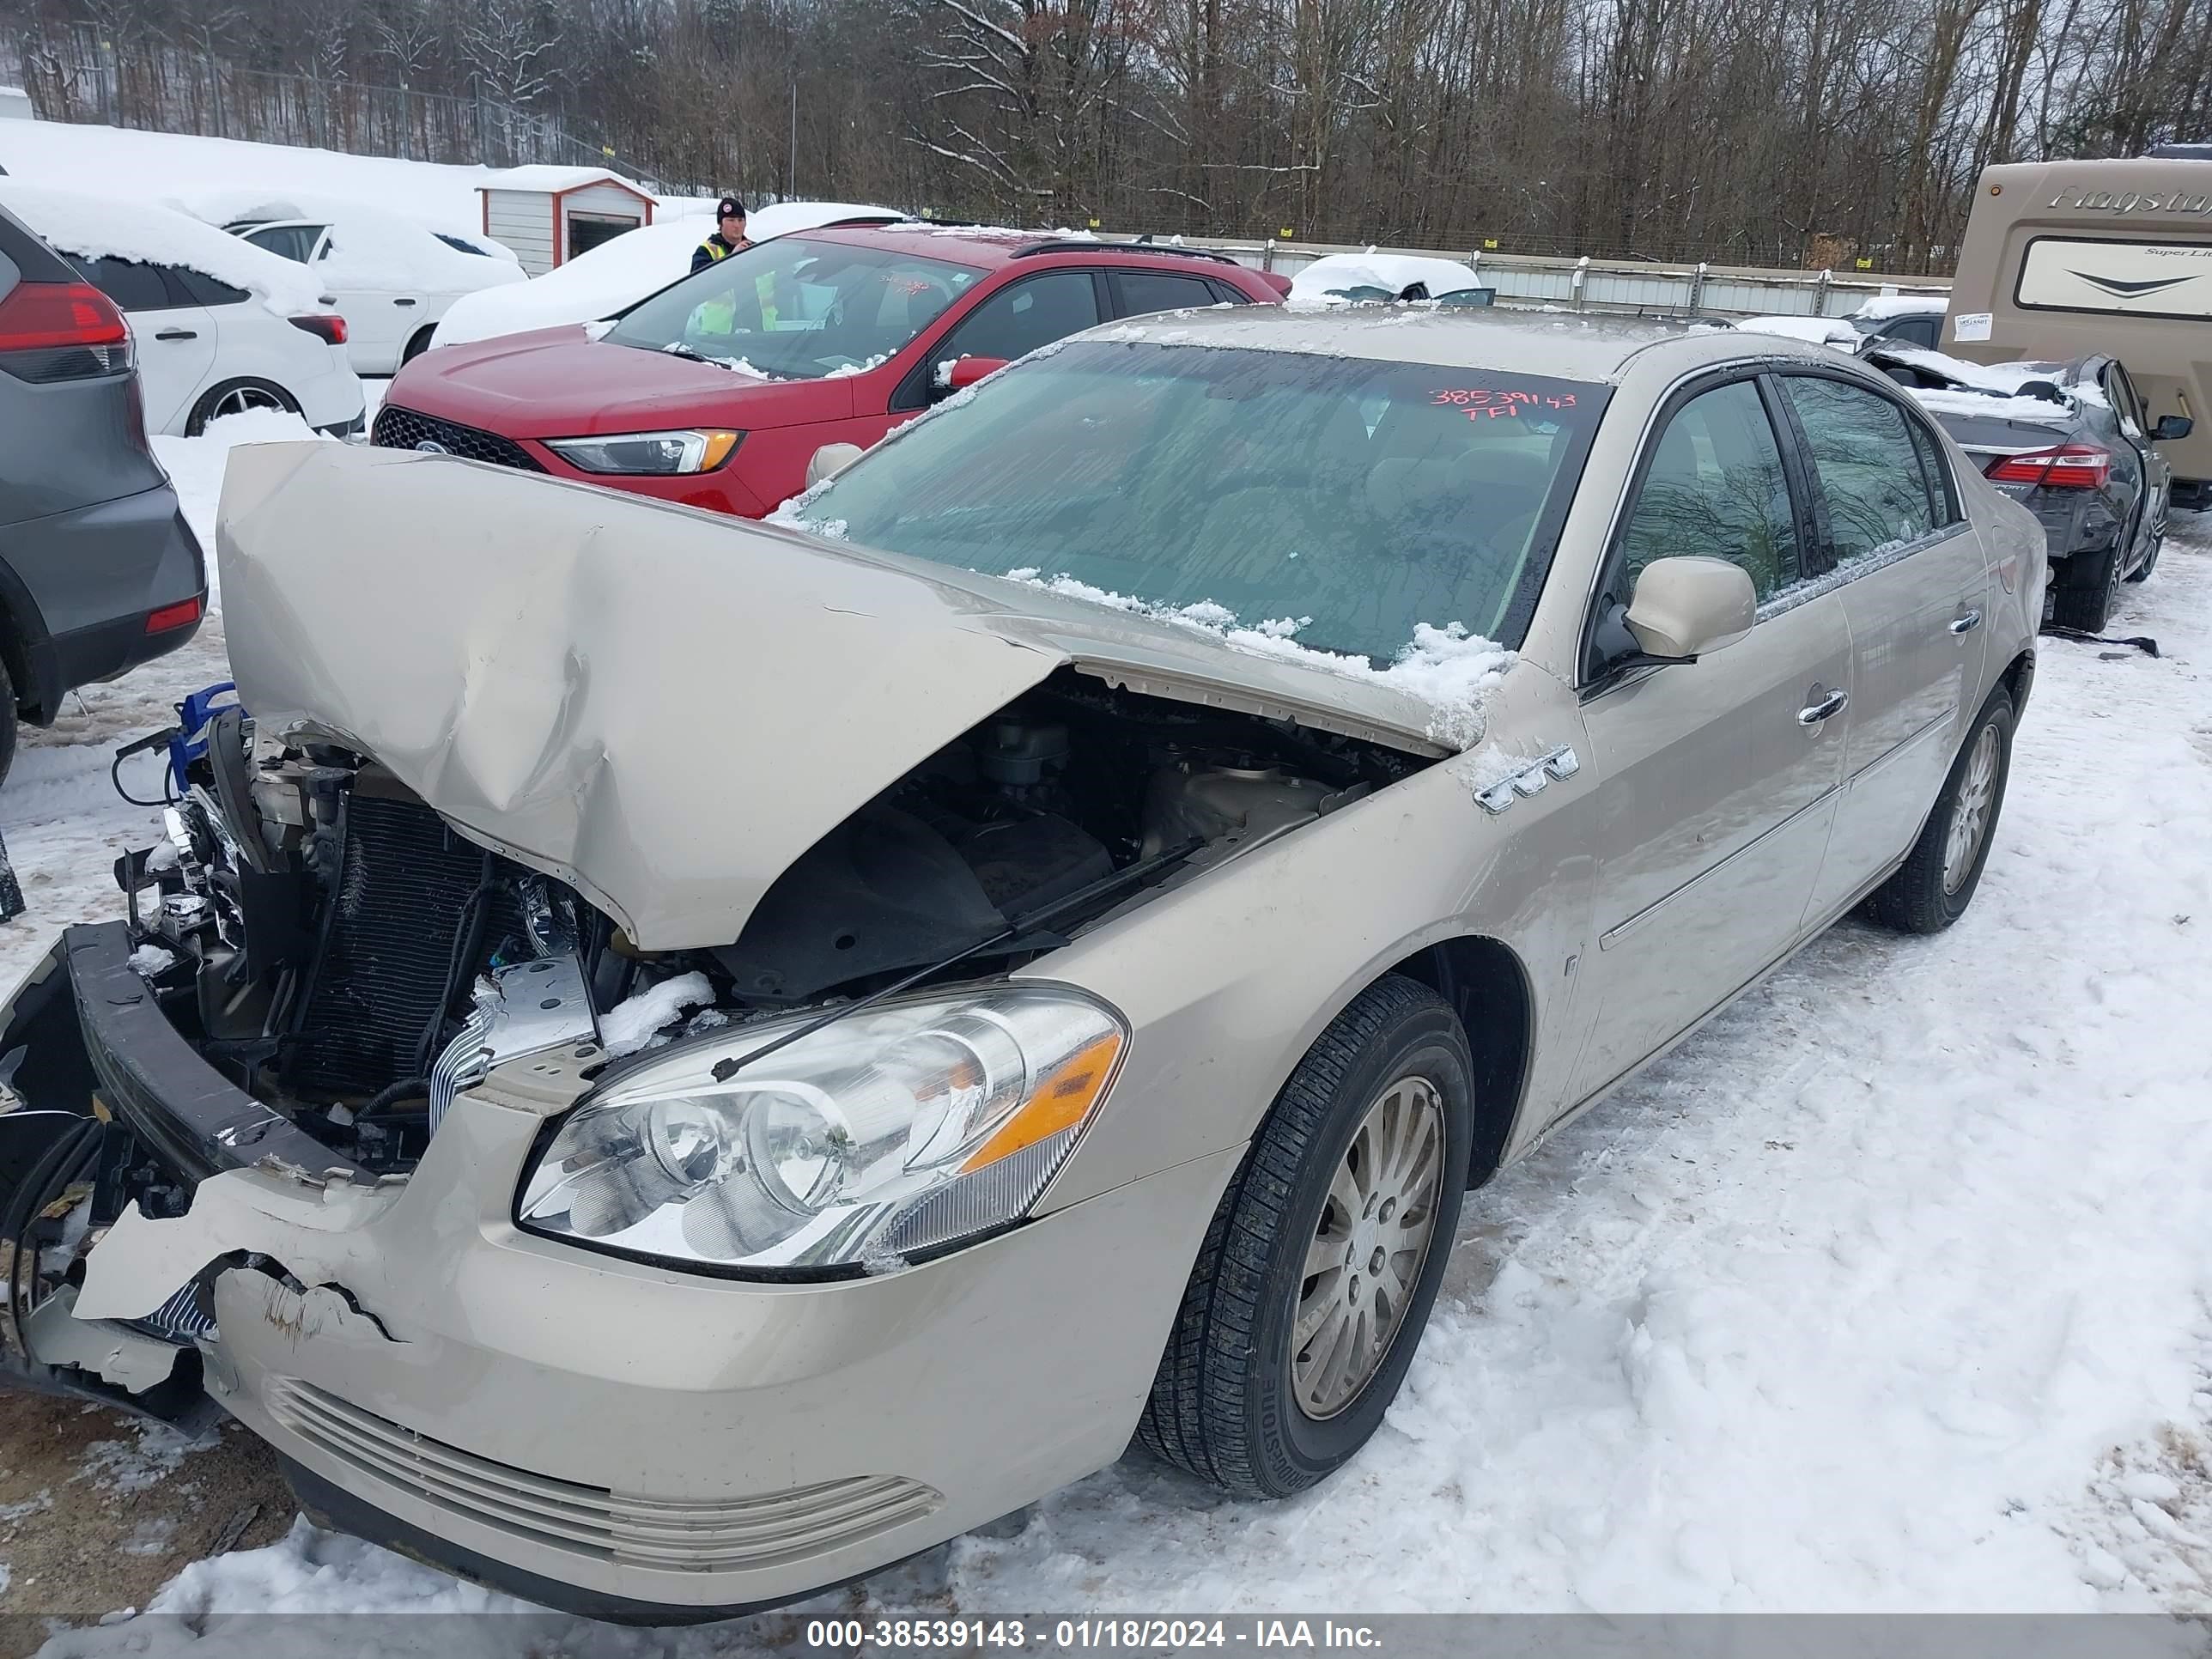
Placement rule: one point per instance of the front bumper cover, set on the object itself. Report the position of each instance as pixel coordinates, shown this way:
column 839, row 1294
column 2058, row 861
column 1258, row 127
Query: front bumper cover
column 604, row 1436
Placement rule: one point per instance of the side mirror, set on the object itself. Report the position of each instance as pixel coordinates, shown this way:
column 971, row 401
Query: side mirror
column 830, row 461
column 1685, row 607
column 2171, row 428
column 966, row 371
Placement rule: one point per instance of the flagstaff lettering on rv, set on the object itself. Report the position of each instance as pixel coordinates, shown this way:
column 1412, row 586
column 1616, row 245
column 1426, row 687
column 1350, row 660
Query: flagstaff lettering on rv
column 2130, row 201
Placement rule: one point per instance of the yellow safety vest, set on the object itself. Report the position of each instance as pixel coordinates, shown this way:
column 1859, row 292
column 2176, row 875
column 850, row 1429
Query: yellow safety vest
column 724, row 313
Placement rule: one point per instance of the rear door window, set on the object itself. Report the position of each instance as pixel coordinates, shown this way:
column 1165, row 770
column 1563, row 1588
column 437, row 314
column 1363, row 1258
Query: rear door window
column 1867, row 465
column 204, row 289
column 1140, row 293
column 131, row 285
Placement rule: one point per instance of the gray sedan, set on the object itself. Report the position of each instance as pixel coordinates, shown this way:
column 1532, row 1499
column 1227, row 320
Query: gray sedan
column 2072, row 443
column 714, row 1056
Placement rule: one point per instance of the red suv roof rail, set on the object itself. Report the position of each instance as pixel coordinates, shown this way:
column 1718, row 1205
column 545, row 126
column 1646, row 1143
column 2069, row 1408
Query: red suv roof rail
column 1092, row 244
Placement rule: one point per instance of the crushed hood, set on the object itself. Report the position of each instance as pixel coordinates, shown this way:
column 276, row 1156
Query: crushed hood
column 662, row 707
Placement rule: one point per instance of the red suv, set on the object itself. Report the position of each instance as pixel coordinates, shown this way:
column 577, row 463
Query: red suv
column 717, row 391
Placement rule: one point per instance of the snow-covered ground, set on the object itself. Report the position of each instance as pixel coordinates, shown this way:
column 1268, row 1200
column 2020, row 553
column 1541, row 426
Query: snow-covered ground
column 1891, row 1290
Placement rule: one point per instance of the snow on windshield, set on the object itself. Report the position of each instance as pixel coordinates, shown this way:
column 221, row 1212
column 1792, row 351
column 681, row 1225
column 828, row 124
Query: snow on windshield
column 1989, row 406
column 1388, row 521
column 99, row 227
column 1451, row 671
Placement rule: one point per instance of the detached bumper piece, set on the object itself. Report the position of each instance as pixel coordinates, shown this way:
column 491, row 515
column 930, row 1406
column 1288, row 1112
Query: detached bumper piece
column 105, row 1098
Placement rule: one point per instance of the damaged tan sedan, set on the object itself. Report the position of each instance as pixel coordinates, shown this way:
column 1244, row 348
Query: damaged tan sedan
column 669, row 1063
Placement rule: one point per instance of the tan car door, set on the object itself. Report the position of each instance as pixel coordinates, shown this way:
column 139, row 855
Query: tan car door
column 1914, row 583
column 1719, row 777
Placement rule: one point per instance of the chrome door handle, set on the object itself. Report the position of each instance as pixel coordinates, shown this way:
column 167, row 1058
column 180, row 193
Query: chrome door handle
column 1814, row 713
column 1967, row 623
column 177, row 334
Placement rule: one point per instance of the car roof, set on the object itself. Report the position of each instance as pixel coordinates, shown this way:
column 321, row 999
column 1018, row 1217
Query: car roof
column 989, row 246
column 1564, row 346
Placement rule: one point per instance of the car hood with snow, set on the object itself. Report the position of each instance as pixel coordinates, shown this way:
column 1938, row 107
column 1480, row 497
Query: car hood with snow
column 565, row 382
column 548, row 703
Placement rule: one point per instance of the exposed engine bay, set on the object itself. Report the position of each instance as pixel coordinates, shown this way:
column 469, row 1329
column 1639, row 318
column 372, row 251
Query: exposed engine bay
column 330, row 944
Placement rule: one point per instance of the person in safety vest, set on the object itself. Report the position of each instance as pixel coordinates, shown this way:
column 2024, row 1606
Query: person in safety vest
column 728, row 239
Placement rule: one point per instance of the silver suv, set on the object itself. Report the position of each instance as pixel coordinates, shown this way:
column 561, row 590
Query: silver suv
column 715, row 1056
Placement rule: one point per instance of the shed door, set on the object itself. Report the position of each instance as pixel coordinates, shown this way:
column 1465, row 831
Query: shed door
column 587, row 230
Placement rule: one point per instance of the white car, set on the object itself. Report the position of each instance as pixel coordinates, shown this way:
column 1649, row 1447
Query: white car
column 1336, row 278
column 217, row 327
column 393, row 280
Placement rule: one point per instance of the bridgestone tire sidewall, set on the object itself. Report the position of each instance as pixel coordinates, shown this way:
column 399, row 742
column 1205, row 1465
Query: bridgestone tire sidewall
column 1427, row 1043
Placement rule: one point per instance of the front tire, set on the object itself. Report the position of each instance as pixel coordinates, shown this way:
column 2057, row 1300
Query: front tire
column 1311, row 1289
column 1934, row 885
column 235, row 398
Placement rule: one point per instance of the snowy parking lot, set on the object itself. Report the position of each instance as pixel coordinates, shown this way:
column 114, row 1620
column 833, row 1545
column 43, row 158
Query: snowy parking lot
column 1889, row 1290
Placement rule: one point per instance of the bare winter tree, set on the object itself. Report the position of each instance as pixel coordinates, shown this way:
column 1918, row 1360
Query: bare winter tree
column 1761, row 131
column 511, row 49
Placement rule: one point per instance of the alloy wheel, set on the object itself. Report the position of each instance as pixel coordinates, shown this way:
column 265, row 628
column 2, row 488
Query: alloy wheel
column 239, row 399
column 1368, row 1248
column 1970, row 814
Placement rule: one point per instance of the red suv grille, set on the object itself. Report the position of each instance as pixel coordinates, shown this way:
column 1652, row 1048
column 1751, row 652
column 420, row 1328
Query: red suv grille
column 404, row 428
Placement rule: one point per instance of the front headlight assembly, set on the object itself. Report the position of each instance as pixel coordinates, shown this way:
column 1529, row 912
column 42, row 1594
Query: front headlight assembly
column 897, row 1129
column 664, row 454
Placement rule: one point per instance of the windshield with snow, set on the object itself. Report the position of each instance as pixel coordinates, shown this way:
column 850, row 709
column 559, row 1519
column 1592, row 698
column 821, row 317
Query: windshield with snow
column 797, row 309
column 1336, row 501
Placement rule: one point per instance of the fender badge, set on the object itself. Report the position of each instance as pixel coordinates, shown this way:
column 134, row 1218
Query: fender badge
column 1528, row 779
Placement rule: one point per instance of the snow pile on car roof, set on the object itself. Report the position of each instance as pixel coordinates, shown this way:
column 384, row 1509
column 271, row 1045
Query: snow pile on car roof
column 1448, row 668
column 1883, row 307
column 1999, row 380
column 1815, row 331
column 2001, row 391
column 617, row 274
column 370, row 247
column 1324, row 281
column 100, row 228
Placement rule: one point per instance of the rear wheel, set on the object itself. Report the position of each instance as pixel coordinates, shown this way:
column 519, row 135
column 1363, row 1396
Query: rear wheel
column 1936, row 882
column 236, row 397
column 2086, row 591
column 1318, row 1271
column 2142, row 572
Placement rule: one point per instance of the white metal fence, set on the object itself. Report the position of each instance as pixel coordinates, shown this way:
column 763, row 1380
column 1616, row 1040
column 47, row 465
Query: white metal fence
column 1623, row 285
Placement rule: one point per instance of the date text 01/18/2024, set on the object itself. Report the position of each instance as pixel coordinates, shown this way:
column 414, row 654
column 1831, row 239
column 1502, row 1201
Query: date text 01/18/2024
column 1074, row 1635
